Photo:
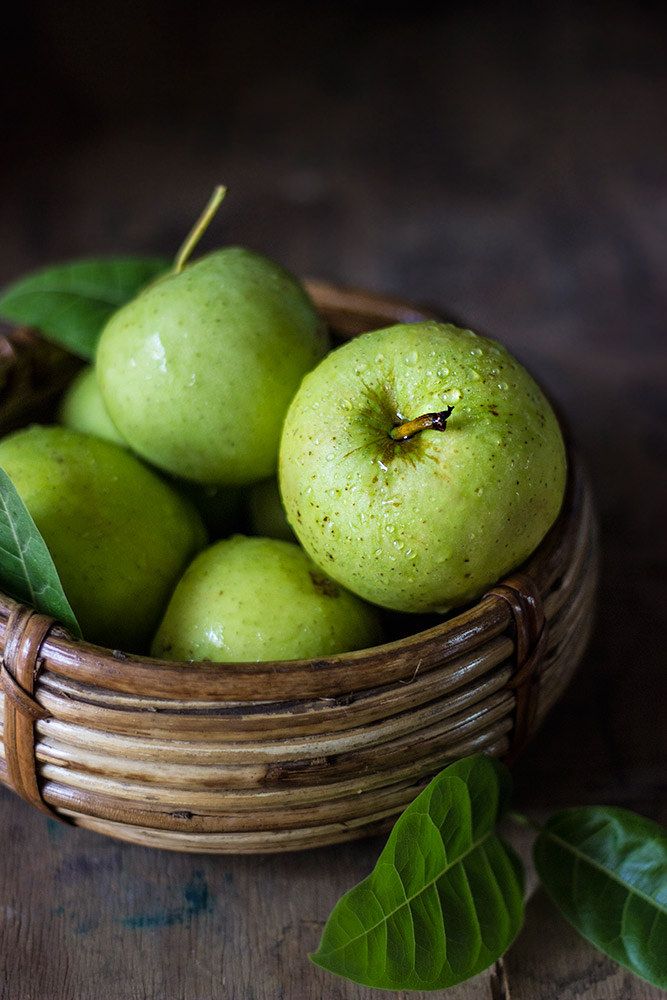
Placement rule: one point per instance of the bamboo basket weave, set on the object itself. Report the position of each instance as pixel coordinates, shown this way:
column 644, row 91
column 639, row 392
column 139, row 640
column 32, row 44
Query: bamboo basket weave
column 279, row 756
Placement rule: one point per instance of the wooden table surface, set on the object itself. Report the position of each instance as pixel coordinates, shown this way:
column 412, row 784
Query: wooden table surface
column 510, row 170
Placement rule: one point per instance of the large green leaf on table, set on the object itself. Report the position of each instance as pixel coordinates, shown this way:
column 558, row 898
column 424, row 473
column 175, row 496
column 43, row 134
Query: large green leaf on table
column 606, row 870
column 27, row 571
column 70, row 303
column 445, row 899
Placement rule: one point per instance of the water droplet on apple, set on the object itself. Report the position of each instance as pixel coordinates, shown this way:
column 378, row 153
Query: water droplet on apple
column 410, row 358
column 451, row 396
column 398, row 544
column 379, row 358
column 345, row 404
column 477, row 350
column 390, row 529
column 502, row 386
column 443, row 372
column 330, row 457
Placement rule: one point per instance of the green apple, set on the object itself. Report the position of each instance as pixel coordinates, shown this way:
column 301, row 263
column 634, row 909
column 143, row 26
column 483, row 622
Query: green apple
column 266, row 514
column 250, row 599
column 197, row 372
column 419, row 464
column 82, row 408
column 119, row 536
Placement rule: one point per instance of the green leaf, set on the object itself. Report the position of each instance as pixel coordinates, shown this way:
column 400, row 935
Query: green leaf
column 27, row 570
column 606, row 870
column 71, row 303
column 445, row 899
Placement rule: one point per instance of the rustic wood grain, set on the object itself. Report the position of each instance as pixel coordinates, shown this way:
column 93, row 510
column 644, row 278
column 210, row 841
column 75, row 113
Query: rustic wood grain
column 129, row 923
column 550, row 960
column 512, row 167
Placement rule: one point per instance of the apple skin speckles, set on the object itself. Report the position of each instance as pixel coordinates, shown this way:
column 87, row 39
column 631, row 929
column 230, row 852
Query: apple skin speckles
column 251, row 599
column 198, row 370
column 393, row 520
column 119, row 535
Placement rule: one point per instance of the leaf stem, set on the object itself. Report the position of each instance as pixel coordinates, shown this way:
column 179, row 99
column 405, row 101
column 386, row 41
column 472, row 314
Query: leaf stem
column 522, row 820
column 199, row 228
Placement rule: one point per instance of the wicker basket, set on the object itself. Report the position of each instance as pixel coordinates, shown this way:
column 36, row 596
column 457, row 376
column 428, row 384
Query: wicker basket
column 285, row 755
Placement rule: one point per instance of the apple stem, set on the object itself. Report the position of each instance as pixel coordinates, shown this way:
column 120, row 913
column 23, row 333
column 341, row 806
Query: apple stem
column 427, row 422
column 199, row 228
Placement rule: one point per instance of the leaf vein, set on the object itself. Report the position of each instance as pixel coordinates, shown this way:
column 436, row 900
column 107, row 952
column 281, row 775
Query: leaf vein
column 422, row 890
column 607, row 871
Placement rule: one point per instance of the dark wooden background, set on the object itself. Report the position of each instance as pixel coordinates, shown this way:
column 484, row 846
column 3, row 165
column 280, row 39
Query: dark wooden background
column 509, row 168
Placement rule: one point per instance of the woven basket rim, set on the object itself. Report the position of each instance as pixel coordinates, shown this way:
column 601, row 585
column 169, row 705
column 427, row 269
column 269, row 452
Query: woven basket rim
column 329, row 676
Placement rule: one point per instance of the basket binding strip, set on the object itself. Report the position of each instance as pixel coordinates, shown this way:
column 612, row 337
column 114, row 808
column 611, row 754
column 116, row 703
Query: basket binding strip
column 279, row 756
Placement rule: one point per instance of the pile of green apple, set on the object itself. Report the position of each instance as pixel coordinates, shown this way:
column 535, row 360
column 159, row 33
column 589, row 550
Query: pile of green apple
column 416, row 465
